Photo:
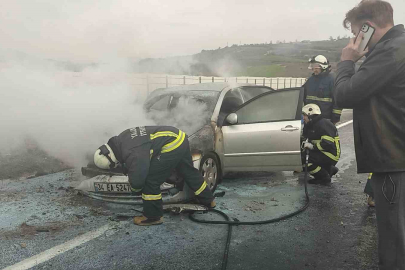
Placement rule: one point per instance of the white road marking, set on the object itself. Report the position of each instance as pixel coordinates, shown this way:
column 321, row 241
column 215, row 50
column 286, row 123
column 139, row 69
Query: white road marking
column 55, row 251
column 344, row 124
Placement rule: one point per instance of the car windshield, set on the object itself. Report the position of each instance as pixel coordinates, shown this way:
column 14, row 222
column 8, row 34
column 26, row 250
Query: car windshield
column 186, row 110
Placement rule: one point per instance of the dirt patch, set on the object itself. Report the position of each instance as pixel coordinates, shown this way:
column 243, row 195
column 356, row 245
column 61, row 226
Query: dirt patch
column 28, row 231
column 28, row 162
column 12, row 196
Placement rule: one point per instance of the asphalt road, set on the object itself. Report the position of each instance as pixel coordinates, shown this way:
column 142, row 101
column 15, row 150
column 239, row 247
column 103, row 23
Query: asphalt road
column 45, row 224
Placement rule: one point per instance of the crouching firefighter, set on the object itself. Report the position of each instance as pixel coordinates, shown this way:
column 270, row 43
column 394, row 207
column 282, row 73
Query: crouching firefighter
column 149, row 155
column 322, row 140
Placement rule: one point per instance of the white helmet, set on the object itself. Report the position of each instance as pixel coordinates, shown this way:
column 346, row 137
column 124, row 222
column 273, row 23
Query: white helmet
column 311, row 109
column 320, row 60
column 104, row 157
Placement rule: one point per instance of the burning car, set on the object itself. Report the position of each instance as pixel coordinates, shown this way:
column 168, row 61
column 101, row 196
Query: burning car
column 231, row 127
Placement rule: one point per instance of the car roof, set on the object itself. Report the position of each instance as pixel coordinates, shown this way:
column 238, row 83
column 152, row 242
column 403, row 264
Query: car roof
column 216, row 86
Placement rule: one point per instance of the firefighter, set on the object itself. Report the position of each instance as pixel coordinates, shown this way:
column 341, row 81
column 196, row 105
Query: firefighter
column 149, row 155
column 318, row 89
column 322, row 140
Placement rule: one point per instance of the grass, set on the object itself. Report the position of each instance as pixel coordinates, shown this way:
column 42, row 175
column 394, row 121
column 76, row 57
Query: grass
column 263, row 71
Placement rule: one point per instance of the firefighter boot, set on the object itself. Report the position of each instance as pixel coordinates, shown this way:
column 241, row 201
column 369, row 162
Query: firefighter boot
column 210, row 205
column 144, row 221
column 333, row 170
column 322, row 177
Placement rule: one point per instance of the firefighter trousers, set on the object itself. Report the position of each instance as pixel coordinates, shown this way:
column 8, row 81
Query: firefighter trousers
column 319, row 165
column 161, row 168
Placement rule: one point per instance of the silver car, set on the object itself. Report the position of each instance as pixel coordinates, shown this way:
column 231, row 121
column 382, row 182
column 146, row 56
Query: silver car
column 231, row 127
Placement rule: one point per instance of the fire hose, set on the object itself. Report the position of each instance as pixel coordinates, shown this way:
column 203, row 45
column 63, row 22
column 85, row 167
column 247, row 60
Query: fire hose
column 236, row 222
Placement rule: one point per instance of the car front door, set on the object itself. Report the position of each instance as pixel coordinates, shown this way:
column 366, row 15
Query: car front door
column 267, row 133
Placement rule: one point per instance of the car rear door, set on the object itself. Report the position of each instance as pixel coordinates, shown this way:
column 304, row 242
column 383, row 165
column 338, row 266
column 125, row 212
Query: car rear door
column 267, row 134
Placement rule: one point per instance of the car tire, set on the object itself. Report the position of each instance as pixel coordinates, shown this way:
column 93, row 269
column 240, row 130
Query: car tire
column 210, row 170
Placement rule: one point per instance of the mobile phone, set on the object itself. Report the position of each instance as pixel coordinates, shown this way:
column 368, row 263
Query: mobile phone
column 368, row 31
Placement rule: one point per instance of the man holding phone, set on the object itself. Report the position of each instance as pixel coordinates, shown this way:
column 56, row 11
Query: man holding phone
column 376, row 92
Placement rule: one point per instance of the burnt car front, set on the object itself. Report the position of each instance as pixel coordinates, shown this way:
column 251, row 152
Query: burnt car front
column 187, row 108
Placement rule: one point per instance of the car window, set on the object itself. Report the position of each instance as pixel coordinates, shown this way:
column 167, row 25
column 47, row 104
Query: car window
column 276, row 106
column 232, row 100
column 161, row 104
column 249, row 92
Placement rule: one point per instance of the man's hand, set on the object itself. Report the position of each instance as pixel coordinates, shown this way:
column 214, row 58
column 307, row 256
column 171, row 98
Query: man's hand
column 308, row 145
column 350, row 52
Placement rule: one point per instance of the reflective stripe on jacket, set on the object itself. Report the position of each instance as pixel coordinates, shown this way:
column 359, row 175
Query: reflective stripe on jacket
column 318, row 89
column 135, row 147
column 324, row 136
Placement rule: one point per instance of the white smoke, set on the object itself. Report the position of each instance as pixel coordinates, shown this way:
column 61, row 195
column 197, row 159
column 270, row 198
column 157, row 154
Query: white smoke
column 189, row 115
column 69, row 114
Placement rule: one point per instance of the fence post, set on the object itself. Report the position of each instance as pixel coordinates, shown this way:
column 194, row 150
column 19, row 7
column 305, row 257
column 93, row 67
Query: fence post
column 236, row 79
column 296, row 82
column 271, row 82
column 264, row 81
column 212, row 78
column 247, row 80
column 167, row 81
column 184, row 79
column 199, row 79
column 284, row 83
column 277, row 82
column 255, row 81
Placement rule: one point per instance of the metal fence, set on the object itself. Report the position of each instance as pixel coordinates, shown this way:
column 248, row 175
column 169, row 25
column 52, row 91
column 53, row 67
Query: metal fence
column 150, row 82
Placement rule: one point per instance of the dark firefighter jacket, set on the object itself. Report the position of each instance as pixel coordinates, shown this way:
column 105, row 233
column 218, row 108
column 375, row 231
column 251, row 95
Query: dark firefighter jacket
column 376, row 92
column 324, row 136
column 136, row 146
column 319, row 90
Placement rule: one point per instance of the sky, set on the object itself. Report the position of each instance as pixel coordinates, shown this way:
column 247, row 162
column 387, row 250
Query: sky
column 69, row 114
column 99, row 30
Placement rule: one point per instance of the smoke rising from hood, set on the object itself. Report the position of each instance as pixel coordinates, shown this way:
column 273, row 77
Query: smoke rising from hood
column 189, row 115
column 69, row 114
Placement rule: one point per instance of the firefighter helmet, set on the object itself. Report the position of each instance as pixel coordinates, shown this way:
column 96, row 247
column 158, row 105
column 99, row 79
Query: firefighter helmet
column 104, row 157
column 321, row 61
column 311, row 109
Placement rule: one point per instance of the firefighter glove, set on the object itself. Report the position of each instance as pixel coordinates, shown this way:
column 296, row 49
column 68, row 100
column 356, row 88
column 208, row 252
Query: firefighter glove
column 308, row 145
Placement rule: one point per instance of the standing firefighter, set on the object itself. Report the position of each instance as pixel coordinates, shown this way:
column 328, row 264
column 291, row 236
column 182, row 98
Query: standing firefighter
column 150, row 154
column 319, row 88
column 323, row 144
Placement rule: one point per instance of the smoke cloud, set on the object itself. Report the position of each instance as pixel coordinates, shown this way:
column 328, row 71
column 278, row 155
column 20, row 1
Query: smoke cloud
column 68, row 114
column 189, row 115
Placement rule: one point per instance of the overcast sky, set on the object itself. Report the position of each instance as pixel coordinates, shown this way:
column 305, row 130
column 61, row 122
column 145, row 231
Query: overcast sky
column 95, row 30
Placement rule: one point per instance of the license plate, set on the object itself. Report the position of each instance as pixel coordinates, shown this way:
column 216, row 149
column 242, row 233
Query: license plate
column 112, row 187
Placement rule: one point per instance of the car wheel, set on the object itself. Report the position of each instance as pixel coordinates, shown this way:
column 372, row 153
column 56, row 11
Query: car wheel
column 210, row 170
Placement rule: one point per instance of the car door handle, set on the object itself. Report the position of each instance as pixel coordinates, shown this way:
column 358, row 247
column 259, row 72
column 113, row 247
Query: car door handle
column 289, row 128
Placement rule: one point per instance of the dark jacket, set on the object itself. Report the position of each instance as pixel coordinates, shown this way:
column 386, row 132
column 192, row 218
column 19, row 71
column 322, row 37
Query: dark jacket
column 324, row 136
column 318, row 89
column 136, row 146
column 376, row 92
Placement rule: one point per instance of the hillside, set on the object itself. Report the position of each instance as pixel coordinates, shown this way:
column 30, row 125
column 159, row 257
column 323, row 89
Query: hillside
column 258, row 60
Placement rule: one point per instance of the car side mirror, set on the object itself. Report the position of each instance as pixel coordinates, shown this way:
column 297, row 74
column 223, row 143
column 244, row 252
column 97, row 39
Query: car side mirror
column 232, row 119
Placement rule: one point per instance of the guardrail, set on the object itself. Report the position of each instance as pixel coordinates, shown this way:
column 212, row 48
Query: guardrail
column 151, row 82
